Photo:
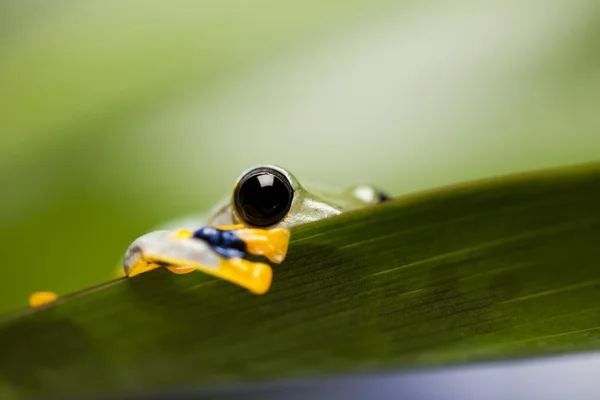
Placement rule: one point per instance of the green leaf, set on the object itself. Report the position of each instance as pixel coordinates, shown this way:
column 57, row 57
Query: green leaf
column 490, row 270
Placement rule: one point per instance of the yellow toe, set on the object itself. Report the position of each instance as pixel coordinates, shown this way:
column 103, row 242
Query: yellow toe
column 272, row 244
column 255, row 277
column 182, row 234
column 39, row 299
column 181, row 269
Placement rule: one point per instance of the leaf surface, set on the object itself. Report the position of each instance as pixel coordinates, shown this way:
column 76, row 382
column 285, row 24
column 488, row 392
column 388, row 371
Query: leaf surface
column 488, row 270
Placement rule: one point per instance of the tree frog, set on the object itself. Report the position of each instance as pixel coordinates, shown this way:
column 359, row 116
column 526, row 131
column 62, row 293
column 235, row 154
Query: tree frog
column 268, row 196
column 266, row 201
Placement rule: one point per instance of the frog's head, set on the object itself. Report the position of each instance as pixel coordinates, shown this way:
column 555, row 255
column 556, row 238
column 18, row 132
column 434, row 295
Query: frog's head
column 269, row 196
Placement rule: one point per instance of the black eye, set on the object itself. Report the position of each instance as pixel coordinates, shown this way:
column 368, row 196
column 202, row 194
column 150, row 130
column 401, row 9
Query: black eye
column 263, row 197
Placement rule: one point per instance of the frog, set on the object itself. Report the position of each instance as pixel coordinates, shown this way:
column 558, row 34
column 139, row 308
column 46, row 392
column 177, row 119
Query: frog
column 266, row 202
column 270, row 196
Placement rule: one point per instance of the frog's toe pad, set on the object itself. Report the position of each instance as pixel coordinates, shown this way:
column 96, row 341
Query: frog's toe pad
column 180, row 270
column 39, row 299
column 255, row 277
column 263, row 276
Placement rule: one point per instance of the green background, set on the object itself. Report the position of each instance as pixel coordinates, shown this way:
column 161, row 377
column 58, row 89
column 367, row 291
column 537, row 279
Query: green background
column 118, row 115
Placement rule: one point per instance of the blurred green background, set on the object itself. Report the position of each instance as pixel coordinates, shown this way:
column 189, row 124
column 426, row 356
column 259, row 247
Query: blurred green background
column 118, row 115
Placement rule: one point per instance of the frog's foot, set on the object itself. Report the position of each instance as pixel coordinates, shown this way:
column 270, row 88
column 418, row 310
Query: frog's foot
column 167, row 249
column 39, row 299
column 233, row 247
column 272, row 244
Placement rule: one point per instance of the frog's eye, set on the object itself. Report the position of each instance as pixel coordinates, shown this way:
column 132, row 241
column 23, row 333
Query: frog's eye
column 263, row 197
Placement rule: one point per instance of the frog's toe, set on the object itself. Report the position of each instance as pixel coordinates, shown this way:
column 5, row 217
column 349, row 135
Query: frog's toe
column 253, row 276
column 39, row 299
column 182, row 234
column 181, row 269
column 272, row 244
column 136, row 261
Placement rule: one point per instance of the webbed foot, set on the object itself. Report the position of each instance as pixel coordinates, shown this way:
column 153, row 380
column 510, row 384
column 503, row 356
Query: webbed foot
column 181, row 253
